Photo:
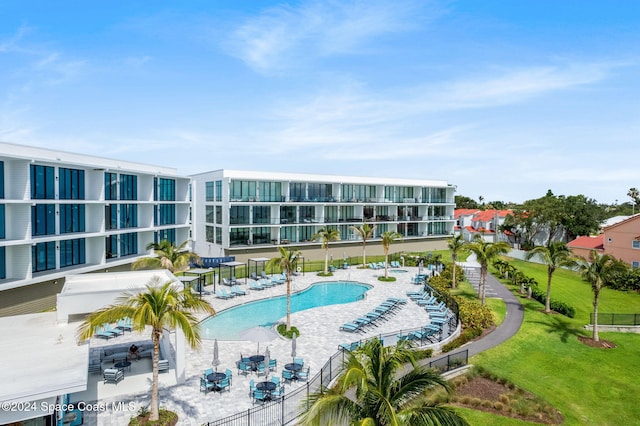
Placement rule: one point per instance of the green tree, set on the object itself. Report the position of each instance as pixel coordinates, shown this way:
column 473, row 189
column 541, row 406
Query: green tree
column 581, row 216
column 388, row 237
column 598, row 272
column 287, row 262
column 485, row 253
column 455, row 245
column 370, row 392
column 557, row 255
column 159, row 306
column 326, row 236
column 365, row 232
column 463, row 202
column 167, row 256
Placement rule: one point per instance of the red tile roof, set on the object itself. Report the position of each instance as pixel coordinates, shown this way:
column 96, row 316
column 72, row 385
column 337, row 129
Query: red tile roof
column 488, row 215
column 464, row 212
column 587, row 242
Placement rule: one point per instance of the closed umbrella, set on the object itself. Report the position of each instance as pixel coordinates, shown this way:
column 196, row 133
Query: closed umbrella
column 293, row 345
column 267, row 358
column 216, row 360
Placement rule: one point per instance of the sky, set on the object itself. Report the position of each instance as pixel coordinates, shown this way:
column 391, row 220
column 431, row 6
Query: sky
column 504, row 99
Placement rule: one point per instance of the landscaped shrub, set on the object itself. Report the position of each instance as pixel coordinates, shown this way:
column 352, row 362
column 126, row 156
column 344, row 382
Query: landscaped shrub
column 466, row 336
column 440, row 283
column 555, row 305
column 628, row 280
column 473, row 315
column 386, row 279
column 282, row 329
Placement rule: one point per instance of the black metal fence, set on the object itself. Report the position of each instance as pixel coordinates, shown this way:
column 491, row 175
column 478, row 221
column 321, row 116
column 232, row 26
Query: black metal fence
column 289, row 407
column 616, row 319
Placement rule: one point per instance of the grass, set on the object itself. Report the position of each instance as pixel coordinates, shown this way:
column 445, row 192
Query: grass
column 545, row 357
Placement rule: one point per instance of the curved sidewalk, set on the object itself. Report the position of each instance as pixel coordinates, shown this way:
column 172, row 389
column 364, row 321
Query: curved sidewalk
column 512, row 321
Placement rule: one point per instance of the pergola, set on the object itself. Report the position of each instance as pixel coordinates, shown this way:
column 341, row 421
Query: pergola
column 199, row 274
column 232, row 267
column 256, row 261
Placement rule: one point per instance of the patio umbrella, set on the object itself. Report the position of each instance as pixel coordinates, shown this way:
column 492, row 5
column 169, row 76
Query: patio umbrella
column 267, row 357
column 293, row 345
column 216, row 360
column 259, row 334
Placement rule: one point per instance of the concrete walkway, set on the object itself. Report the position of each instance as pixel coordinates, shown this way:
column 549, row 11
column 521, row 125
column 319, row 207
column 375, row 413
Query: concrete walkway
column 515, row 310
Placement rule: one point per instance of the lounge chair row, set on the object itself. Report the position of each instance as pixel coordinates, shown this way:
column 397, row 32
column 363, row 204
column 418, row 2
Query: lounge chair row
column 234, row 291
column 431, row 333
column 106, row 331
column 380, row 313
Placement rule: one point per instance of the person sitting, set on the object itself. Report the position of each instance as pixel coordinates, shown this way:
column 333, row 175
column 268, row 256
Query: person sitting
column 133, row 350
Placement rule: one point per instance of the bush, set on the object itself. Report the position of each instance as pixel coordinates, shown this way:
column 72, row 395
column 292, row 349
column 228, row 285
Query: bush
column 386, row 279
column 167, row 418
column 560, row 307
column 282, row 329
column 322, row 274
column 466, row 336
column 473, row 315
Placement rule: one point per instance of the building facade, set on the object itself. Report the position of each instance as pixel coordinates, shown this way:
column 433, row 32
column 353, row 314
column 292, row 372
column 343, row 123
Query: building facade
column 622, row 240
column 244, row 213
column 62, row 212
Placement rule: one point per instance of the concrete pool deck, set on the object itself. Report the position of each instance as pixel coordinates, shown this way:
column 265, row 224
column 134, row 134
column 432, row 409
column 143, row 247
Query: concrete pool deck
column 319, row 339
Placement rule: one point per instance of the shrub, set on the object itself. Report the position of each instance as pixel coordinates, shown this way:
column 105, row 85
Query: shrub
column 282, row 329
column 487, row 404
column 473, row 315
column 322, row 274
column 466, row 336
column 167, row 418
column 386, row 279
column 498, row 405
column 560, row 307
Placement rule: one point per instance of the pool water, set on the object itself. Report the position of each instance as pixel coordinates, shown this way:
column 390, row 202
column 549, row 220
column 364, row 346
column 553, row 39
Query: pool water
column 398, row 271
column 228, row 324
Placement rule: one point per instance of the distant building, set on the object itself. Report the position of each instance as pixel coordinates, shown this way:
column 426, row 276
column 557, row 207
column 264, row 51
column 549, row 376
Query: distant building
column 485, row 223
column 582, row 246
column 622, row 240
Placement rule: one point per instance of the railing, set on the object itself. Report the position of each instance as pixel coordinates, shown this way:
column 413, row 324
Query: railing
column 617, row 319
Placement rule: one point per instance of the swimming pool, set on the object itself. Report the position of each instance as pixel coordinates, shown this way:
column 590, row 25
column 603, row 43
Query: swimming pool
column 228, row 324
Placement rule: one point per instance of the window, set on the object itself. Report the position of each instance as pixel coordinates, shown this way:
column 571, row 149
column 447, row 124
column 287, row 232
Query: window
column 2, row 223
column 43, row 219
column 43, row 257
column 388, row 193
column 111, row 246
column 209, row 191
column 635, row 244
column 239, row 215
column 128, row 187
column 242, row 190
column 308, row 214
column 165, row 214
column 218, row 190
column 1, row 179
column 297, row 191
column 110, row 186
column 261, row 214
column 635, row 264
column 218, row 235
column 128, row 216
column 210, row 214
column 238, row 236
column 261, row 235
column 164, row 189
column 209, row 234
column 3, row 264
column 128, row 244
column 71, row 184
column 165, row 234
column 218, row 214
column 42, row 183
column 319, row 191
column 72, row 218
column 72, row 252
column 270, row 191
column 111, row 216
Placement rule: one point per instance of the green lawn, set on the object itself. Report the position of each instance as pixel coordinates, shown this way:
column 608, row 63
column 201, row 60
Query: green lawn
column 589, row 386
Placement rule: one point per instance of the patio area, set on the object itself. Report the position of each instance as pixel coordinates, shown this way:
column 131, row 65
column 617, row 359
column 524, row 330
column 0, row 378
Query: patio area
column 319, row 340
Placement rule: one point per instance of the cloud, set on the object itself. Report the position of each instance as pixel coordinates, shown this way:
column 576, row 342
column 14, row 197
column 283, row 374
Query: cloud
column 282, row 36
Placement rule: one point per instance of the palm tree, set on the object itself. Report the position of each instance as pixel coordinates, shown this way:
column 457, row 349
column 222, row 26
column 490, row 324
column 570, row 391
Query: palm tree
column 597, row 272
column 455, row 244
column 556, row 255
column 326, row 236
column 167, row 256
column 288, row 261
column 387, row 239
column 159, row 306
column 635, row 196
column 365, row 232
column 485, row 252
column 369, row 392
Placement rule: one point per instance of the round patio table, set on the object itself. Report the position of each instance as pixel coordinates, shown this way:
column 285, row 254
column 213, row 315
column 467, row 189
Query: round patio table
column 295, row 367
column 215, row 378
column 122, row 365
column 255, row 361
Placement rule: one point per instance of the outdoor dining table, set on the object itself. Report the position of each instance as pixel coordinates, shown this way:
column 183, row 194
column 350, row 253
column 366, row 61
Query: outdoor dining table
column 215, row 378
column 255, row 360
column 122, row 365
column 266, row 387
column 294, row 367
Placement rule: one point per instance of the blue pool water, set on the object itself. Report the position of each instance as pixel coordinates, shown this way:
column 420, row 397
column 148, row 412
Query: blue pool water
column 398, row 271
column 228, row 324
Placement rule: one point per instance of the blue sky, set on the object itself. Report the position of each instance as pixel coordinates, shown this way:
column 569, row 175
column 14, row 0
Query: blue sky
column 503, row 99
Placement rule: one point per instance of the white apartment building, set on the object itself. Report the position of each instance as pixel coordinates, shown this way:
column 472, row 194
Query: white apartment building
column 63, row 213
column 245, row 213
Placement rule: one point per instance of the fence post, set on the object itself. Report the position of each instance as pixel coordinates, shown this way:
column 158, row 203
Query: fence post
column 248, row 416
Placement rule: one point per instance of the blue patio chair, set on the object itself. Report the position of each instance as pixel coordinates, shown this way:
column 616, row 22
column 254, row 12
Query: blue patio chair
column 205, row 385
column 288, row 376
column 207, row 372
column 255, row 286
column 236, row 290
column 229, row 374
column 252, row 387
column 254, row 276
column 277, row 392
column 276, row 380
column 224, row 384
column 221, row 295
column 244, row 367
column 303, row 374
column 107, row 328
column 259, row 396
column 125, row 324
column 273, row 364
column 261, row 371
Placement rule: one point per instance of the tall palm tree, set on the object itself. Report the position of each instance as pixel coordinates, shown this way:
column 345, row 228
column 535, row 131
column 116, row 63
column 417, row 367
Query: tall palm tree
column 485, row 252
column 160, row 305
column 167, row 256
column 597, row 272
column 556, row 255
column 455, row 244
column 365, row 232
column 635, row 197
column 369, row 392
column 326, row 236
column 287, row 262
column 387, row 239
